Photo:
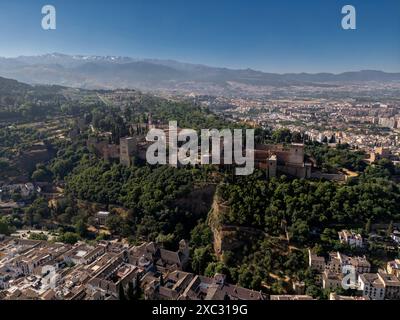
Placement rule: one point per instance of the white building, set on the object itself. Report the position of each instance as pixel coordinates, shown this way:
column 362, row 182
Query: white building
column 392, row 285
column 371, row 286
column 101, row 217
column 396, row 236
column 350, row 238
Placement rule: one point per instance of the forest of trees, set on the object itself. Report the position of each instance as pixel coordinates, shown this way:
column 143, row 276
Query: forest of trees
column 304, row 205
column 311, row 212
column 149, row 194
column 22, row 102
column 333, row 159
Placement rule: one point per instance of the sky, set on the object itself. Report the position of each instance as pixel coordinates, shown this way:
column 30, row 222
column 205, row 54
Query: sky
column 269, row 35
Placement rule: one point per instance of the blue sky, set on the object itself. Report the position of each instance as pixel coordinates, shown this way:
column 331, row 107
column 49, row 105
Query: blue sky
column 268, row 35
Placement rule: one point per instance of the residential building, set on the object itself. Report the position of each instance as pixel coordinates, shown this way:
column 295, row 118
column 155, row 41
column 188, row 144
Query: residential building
column 360, row 264
column 393, row 267
column 291, row 297
column 391, row 284
column 331, row 280
column 205, row 288
column 315, row 262
column 371, row 286
column 335, row 296
column 351, row 238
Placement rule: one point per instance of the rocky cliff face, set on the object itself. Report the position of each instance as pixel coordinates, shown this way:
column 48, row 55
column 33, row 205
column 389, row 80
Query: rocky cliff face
column 199, row 201
column 228, row 237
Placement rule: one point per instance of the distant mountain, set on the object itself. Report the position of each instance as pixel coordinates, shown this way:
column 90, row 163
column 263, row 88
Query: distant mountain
column 68, row 60
column 110, row 72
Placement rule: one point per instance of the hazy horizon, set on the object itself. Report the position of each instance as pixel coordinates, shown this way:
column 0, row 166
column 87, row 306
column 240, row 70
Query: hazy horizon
column 191, row 63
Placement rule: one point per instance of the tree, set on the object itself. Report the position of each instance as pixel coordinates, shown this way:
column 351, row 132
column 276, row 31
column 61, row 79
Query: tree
column 368, row 227
column 328, row 235
column 201, row 235
column 62, row 167
column 81, row 228
column 216, row 267
column 36, row 212
column 68, row 237
column 5, row 227
column 166, row 241
column 139, row 295
column 389, row 229
column 4, row 165
column 300, row 231
column 256, row 283
column 201, row 258
column 388, row 165
column 318, row 249
column 278, row 287
column 114, row 223
column 377, row 171
column 314, row 292
column 131, row 291
column 282, row 135
column 121, row 294
column 42, row 174
column 245, row 277
column 38, row 236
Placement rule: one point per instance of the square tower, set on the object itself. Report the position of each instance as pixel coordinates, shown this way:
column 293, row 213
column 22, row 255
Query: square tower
column 127, row 148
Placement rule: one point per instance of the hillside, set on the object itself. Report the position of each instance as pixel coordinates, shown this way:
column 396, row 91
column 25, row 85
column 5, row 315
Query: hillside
column 20, row 101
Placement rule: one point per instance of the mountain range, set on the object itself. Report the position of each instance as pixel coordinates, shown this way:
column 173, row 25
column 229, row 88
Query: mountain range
column 111, row 72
